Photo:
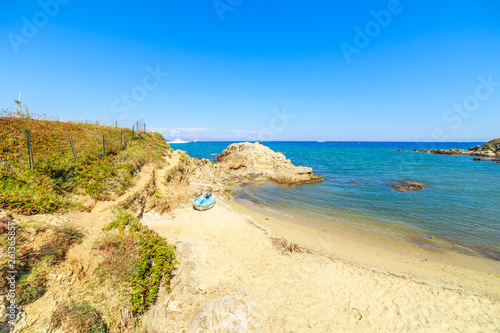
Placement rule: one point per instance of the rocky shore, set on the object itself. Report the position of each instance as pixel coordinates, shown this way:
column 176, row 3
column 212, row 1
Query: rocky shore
column 238, row 163
column 242, row 271
column 489, row 149
column 253, row 161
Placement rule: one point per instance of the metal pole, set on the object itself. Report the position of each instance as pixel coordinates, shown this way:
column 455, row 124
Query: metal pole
column 31, row 151
column 103, row 147
column 133, row 134
column 73, row 149
column 137, row 123
column 29, row 148
column 121, row 140
column 144, row 127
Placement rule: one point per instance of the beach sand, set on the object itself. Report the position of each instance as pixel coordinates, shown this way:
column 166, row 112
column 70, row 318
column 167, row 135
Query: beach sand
column 244, row 270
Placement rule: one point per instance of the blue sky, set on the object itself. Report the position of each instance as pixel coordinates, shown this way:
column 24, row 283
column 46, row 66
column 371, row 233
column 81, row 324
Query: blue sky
column 260, row 70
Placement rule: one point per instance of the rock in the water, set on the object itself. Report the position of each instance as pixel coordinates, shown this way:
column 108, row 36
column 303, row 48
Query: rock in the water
column 408, row 185
column 452, row 151
column 252, row 161
column 489, row 149
column 477, row 159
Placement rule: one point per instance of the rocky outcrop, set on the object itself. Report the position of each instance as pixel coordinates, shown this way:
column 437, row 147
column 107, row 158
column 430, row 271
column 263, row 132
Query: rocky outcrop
column 489, row 149
column 247, row 161
column 452, row 151
column 188, row 177
column 408, row 185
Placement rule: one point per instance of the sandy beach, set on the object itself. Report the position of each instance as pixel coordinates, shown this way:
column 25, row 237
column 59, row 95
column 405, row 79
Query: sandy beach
column 248, row 270
column 243, row 268
column 242, row 166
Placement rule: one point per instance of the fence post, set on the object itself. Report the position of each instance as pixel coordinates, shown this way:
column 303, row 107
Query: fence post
column 28, row 142
column 116, row 123
column 103, row 147
column 73, row 149
column 121, row 140
column 137, row 127
column 144, row 127
column 133, row 134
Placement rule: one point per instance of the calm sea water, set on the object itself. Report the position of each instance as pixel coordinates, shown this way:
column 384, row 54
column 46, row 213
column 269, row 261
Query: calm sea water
column 459, row 210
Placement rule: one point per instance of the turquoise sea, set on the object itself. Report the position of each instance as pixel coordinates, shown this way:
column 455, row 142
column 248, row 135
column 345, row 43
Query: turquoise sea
column 459, row 210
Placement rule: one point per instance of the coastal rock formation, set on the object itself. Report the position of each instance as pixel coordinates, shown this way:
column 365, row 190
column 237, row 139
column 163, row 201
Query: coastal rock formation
column 186, row 178
column 452, row 151
column 408, row 185
column 489, row 149
column 247, row 161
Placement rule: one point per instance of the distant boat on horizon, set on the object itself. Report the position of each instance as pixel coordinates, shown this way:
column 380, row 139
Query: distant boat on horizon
column 178, row 141
column 320, row 141
column 196, row 141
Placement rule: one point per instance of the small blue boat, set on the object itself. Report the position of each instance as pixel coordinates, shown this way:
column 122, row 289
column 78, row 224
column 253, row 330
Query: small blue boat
column 204, row 202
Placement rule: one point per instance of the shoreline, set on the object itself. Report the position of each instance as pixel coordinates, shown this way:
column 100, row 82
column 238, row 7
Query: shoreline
column 265, row 273
column 440, row 268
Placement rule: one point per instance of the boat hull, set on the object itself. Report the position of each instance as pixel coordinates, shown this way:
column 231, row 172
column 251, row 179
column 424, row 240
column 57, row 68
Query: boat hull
column 202, row 203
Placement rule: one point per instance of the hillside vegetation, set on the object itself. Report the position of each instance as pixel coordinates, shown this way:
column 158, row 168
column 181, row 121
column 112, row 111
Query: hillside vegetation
column 115, row 271
column 56, row 181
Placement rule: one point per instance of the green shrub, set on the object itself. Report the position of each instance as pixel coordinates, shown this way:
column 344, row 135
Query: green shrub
column 78, row 317
column 30, row 192
column 122, row 219
column 119, row 258
column 155, row 259
column 36, row 264
column 45, row 189
column 31, row 286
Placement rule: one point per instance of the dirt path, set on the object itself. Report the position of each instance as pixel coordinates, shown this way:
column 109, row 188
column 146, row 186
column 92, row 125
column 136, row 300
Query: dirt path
column 143, row 178
column 75, row 273
column 161, row 173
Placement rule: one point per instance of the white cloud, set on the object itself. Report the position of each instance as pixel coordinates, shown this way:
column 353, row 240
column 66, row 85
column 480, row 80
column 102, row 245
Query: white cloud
column 192, row 129
column 244, row 132
column 178, row 131
column 191, row 133
column 165, row 131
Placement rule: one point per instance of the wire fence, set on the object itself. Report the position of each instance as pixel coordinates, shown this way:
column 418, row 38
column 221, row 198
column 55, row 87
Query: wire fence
column 43, row 142
column 137, row 125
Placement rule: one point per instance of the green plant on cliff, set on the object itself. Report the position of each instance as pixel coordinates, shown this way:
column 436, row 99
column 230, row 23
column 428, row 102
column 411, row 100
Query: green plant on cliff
column 153, row 260
column 37, row 256
column 123, row 219
column 56, row 174
column 119, row 257
column 157, row 260
column 78, row 316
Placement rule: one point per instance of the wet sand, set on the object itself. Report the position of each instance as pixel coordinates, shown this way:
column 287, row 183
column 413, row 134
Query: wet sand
column 443, row 268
